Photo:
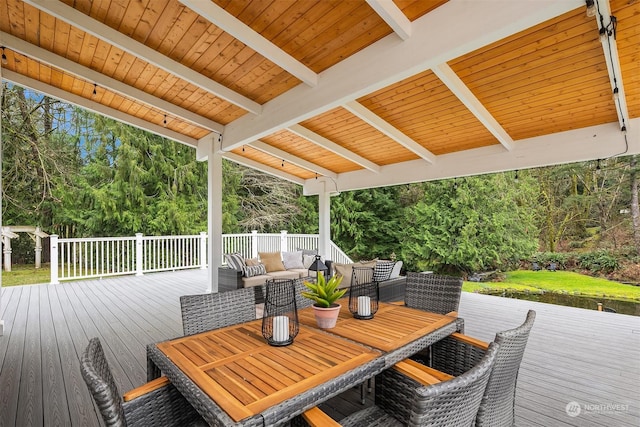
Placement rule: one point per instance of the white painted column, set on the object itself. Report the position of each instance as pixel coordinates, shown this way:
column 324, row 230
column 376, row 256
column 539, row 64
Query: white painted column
column 53, row 261
column 214, row 162
column 139, row 254
column 203, row 250
column 324, row 226
column 283, row 241
column 38, row 251
column 6, row 250
column 254, row 243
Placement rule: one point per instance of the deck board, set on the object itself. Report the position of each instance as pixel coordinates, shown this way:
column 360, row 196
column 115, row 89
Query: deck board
column 573, row 354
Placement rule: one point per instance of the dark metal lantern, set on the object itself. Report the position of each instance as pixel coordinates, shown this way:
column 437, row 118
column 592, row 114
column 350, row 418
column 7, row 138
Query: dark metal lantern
column 364, row 293
column 317, row 266
column 280, row 316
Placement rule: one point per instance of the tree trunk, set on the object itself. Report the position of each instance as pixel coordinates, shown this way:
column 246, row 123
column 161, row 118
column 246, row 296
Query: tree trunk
column 635, row 210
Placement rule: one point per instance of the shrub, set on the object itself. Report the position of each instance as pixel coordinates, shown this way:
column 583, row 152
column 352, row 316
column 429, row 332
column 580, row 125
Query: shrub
column 601, row 261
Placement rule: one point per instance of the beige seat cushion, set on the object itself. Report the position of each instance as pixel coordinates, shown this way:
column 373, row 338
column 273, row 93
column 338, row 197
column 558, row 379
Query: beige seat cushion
column 272, row 261
column 284, row 275
column 255, row 280
column 345, row 270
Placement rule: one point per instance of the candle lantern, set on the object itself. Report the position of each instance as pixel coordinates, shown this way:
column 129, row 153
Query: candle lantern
column 280, row 316
column 363, row 294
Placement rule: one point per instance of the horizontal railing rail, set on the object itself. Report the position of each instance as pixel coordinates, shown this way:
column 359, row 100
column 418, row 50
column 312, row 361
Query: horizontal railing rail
column 82, row 258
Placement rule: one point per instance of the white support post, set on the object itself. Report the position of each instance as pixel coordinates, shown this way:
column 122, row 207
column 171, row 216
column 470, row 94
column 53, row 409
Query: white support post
column 324, row 225
column 53, row 262
column 283, row 241
column 139, row 254
column 203, row 250
column 6, row 250
column 214, row 162
column 254, row 243
column 38, row 250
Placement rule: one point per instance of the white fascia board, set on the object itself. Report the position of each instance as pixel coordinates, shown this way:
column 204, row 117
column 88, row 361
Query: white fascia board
column 73, row 68
column 259, row 166
column 459, row 89
column 327, row 144
column 453, row 29
column 115, row 38
column 294, row 160
column 596, row 142
column 236, row 28
column 389, row 130
column 96, row 107
column 393, row 16
column 612, row 59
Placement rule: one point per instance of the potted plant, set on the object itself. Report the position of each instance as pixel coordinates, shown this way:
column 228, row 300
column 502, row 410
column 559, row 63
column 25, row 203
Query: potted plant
column 325, row 293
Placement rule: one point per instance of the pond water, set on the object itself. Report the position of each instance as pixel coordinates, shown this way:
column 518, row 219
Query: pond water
column 590, row 303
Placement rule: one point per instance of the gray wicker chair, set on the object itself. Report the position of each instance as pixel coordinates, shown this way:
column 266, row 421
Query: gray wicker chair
column 205, row 312
column 454, row 355
column 402, row 400
column 157, row 403
column 433, row 292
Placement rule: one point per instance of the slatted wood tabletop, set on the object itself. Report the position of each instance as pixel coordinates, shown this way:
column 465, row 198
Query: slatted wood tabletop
column 244, row 375
column 392, row 327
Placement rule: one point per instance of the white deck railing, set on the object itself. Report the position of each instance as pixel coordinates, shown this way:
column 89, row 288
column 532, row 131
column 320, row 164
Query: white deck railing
column 84, row 258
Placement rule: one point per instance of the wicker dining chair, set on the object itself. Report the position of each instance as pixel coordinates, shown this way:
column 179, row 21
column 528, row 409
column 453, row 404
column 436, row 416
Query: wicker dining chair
column 408, row 400
column 156, row 403
column 204, row 312
column 433, row 292
column 457, row 353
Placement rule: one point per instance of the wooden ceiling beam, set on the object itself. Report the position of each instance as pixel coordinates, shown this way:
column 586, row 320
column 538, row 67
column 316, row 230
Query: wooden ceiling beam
column 96, row 107
column 264, row 168
column 393, row 16
column 585, row 144
column 390, row 60
column 294, row 160
column 236, row 28
column 389, row 130
column 473, row 104
column 612, row 59
column 323, row 142
column 115, row 38
column 51, row 59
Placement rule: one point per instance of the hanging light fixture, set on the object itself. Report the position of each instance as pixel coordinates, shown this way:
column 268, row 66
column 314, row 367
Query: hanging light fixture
column 5, row 61
column 165, row 121
column 591, row 8
column 95, row 86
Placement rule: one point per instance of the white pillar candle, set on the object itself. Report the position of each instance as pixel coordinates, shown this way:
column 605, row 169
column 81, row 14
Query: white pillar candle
column 364, row 306
column 280, row 328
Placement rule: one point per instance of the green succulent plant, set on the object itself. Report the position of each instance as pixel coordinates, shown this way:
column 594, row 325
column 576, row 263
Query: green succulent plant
column 324, row 292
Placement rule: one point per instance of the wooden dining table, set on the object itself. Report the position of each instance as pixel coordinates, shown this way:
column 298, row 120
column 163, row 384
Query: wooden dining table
column 233, row 377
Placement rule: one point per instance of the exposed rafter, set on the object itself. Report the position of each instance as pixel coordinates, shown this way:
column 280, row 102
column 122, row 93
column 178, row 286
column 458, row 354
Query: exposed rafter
column 73, row 68
column 332, row 146
column 294, row 160
column 393, row 16
column 610, row 50
column 459, row 89
column 377, row 122
column 233, row 26
column 121, row 41
column 264, row 168
column 389, row 61
column 96, row 107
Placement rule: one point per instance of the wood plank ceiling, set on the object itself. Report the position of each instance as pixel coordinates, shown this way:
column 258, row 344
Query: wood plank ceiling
column 365, row 93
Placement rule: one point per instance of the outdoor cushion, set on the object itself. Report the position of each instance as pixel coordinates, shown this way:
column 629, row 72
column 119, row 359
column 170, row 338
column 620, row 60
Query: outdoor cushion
column 272, row 261
column 292, row 260
column 307, row 260
column 251, row 262
column 382, row 270
column 235, row 261
column 396, row 270
column 254, row 270
column 345, row 271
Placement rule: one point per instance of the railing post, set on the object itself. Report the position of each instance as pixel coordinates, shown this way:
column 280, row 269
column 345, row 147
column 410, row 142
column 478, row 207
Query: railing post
column 203, row 250
column 53, row 262
column 139, row 254
column 283, row 241
column 254, row 243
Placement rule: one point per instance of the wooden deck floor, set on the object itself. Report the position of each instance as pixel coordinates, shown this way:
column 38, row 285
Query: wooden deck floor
column 573, row 355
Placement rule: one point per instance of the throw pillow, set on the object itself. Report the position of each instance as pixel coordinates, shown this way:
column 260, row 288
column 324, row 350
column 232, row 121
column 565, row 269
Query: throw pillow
column 272, row 261
column 307, row 260
column 396, row 270
column 382, row 270
column 254, row 270
column 292, row 260
column 235, row 261
column 343, row 270
column 308, row 251
column 251, row 262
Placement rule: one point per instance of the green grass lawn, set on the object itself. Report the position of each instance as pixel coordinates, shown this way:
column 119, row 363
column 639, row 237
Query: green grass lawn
column 560, row 282
column 26, row 275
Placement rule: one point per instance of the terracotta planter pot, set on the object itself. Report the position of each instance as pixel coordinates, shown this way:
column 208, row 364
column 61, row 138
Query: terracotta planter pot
column 326, row 317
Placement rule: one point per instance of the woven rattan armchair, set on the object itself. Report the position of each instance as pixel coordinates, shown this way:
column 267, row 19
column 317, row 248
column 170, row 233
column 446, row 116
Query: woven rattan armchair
column 433, row 292
column 416, row 399
column 156, row 403
column 204, row 312
column 456, row 354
